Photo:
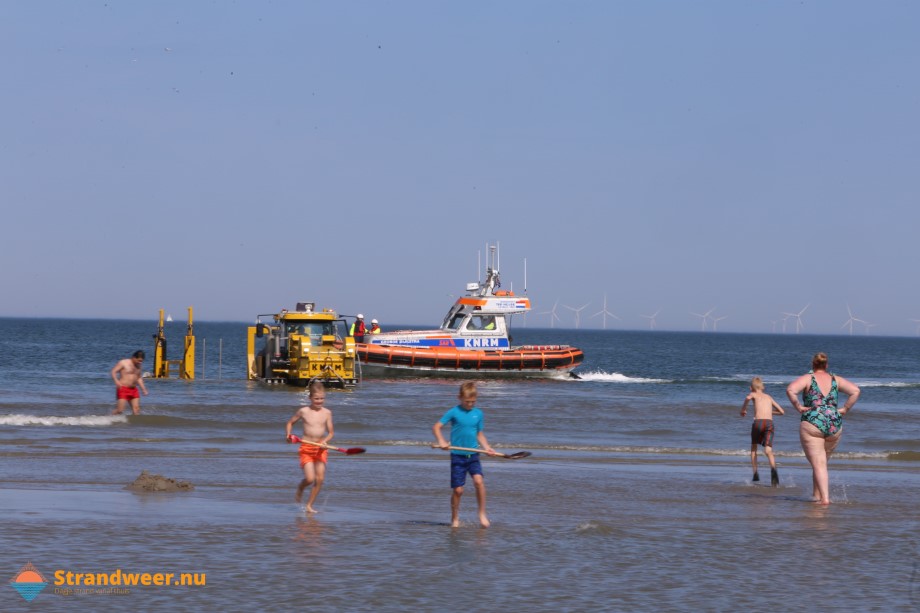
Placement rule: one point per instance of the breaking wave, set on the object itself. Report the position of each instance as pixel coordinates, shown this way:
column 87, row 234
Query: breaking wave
column 49, row 420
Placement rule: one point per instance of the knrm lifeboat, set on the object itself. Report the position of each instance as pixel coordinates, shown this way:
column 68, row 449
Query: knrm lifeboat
column 473, row 340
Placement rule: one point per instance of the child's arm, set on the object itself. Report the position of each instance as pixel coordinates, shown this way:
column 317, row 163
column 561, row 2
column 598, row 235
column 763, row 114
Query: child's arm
column 329, row 429
column 290, row 423
column 436, row 428
column 777, row 410
column 484, row 444
column 744, row 406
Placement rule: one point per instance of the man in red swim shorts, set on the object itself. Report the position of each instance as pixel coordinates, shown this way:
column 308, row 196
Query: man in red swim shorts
column 128, row 377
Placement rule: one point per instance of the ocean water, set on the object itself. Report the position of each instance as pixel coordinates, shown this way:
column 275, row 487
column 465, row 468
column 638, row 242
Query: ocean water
column 637, row 496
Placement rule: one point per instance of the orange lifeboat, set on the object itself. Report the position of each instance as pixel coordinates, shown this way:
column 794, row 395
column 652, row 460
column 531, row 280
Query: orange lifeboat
column 525, row 360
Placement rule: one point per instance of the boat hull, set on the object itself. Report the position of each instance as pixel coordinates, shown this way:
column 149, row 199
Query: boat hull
column 541, row 361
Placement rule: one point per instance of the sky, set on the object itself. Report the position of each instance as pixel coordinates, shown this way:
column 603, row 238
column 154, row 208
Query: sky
column 742, row 158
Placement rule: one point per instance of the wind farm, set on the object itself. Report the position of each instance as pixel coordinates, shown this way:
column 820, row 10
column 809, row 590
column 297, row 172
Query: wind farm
column 789, row 321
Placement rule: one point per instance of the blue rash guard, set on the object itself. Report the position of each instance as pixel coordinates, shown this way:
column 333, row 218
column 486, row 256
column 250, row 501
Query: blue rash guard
column 464, row 426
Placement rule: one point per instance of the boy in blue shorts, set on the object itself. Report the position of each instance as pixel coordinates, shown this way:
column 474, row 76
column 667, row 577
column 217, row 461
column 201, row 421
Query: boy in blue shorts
column 465, row 431
column 762, row 428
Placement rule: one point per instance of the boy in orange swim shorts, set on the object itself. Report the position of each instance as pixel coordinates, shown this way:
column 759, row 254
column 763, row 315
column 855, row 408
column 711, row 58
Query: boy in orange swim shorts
column 312, row 454
column 317, row 428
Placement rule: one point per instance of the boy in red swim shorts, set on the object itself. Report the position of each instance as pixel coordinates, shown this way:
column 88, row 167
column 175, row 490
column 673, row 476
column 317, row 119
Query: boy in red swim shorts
column 762, row 428
column 317, row 428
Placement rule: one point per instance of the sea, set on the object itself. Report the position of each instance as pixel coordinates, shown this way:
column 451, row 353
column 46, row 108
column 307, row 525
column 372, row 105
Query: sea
column 637, row 496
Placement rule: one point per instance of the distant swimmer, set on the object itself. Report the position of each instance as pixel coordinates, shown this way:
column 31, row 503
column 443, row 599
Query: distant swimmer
column 317, row 429
column 762, row 428
column 128, row 377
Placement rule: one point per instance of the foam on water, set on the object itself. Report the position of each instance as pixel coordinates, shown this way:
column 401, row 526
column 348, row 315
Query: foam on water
column 46, row 420
column 615, row 377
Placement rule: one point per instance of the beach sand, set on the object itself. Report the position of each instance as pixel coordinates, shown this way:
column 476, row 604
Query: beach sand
column 675, row 535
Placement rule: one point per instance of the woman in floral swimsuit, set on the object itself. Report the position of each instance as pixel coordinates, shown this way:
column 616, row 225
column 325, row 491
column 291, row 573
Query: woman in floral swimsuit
column 822, row 422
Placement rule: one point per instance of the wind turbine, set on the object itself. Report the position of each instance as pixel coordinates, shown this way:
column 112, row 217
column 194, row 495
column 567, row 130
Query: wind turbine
column 867, row 324
column 604, row 312
column 552, row 315
column 703, row 317
column 716, row 320
column 651, row 319
column 774, row 326
column 577, row 312
column 849, row 323
column 798, row 318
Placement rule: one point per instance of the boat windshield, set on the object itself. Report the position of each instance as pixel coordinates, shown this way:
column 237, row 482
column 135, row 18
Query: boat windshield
column 454, row 318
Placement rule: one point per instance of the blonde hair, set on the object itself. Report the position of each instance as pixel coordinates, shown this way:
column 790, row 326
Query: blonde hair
column 316, row 386
column 757, row 384
column 467, row 389
column 819, row 362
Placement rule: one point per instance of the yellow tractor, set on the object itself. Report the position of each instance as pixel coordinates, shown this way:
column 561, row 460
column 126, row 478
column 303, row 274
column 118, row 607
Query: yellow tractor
column 302, row 346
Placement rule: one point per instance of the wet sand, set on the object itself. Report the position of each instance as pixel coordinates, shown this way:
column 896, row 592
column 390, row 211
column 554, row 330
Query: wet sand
column 567, row 535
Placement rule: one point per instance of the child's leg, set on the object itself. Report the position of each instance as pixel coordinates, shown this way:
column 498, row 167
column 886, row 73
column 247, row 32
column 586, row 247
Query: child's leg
column 754, row 461
column 455, row 507
column 774, row 476
column 768, row 451
column 309, row 476
column 319, row 470
column 480, row 484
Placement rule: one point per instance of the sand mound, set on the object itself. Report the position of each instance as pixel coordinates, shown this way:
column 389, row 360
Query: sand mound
column 157, row 483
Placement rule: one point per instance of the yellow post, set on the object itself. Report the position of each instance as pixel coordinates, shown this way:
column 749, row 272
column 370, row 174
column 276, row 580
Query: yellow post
column 187, row 368
column 160, row 367
column 251, row 353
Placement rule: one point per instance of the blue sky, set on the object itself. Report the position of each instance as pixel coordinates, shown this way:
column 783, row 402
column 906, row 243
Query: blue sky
column 747, row 157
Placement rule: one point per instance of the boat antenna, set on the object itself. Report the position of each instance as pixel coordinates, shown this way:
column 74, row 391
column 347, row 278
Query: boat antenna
column 479, row 267
column 525, row 276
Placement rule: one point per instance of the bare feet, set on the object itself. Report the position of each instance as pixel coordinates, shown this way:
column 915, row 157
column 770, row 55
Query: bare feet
column 484, row 521
column 455, row 523
column 311, row 509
